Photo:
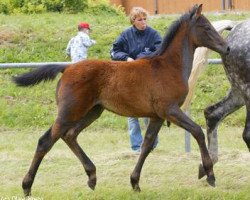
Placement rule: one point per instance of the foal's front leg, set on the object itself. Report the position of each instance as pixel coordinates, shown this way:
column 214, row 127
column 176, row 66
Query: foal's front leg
column 179, row 118
column 150, row 136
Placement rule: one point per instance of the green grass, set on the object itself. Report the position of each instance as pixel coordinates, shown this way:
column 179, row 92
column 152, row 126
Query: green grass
column 169, row 173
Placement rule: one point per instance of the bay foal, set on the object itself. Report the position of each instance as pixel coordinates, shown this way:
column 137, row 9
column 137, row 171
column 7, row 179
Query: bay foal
column 153, row 87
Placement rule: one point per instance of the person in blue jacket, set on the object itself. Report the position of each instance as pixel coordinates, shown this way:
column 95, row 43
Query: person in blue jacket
column 136, row 42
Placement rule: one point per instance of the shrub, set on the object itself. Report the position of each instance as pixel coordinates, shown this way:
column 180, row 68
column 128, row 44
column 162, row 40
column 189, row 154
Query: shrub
column 75, row 6
column 70, row 6
column 17, row 3
column 103, row 6
column 53, row 5
column 27, row 6
column 5, row 7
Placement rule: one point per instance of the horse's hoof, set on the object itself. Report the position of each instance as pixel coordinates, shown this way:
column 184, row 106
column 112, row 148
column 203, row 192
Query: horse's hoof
column 92, row 183
column 136, row 188
column 27, row 192
column 135, row 184
column 211, row 180
column 202, row 172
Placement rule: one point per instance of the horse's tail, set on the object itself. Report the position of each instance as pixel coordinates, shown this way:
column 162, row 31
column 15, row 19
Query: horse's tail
column 45, row 73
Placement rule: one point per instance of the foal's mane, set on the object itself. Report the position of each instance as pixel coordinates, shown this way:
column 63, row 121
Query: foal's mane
column 171, row 32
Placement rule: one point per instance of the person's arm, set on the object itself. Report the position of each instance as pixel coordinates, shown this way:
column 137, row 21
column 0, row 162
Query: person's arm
column 68, row 49
column 87, row 42
column 118, row 51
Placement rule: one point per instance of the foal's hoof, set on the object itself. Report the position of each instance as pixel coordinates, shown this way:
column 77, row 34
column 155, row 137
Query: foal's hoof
column 211, row 180
column 136, row 188
column 202, row 172
column 135, row 184
column 27, row 192
column 92, row 183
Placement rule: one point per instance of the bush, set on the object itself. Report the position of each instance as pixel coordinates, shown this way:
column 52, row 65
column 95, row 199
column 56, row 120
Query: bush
column 103, row 6
column 70, row 6
column 33, row 6
column 17, row 3
column 5, row 7
column 53, row 5
column 75, row 6
column 38, row 6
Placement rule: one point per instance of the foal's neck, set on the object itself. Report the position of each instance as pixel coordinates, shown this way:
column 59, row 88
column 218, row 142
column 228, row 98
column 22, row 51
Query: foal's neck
column 182, row 48
column 187, row 59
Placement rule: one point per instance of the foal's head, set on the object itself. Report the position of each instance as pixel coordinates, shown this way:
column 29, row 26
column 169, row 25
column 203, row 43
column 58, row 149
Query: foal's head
column 202, row 33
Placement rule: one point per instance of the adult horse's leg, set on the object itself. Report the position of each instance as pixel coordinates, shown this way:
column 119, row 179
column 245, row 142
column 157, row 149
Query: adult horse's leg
column 179, row 118
column 147, row 145
column 214, row 115
column 45, row 143
column 246, row 133
column 70, row 139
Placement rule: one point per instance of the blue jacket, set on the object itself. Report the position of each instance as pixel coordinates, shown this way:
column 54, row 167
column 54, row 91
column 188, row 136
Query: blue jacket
column 135, row 44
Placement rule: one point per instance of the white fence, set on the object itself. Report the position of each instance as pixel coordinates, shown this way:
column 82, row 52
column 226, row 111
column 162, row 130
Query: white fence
column 40, row 64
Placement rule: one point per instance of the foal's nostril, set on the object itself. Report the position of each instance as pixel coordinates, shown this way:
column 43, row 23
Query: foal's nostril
column 228, row 50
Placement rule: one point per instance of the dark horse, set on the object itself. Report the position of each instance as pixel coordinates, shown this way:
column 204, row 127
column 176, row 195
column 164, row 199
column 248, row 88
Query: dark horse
column 153, row 87
column 237, row 68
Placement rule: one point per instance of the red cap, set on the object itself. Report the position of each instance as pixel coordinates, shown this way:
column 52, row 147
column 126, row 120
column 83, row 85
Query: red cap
column 83, row 25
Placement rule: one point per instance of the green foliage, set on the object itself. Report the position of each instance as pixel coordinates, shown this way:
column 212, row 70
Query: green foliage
column 103, row 6
column 5, row 7
column 17, row 3
column 33, row 6
column 75, row 6
column 53, row 5
column 69, row 6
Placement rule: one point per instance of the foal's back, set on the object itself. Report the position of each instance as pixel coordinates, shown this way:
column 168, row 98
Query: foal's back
column 124, row 87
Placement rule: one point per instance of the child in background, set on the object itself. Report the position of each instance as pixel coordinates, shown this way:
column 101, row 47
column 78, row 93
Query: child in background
column 77, row 47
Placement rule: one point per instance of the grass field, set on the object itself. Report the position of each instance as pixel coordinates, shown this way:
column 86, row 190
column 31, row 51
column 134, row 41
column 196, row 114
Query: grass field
column 168, row 173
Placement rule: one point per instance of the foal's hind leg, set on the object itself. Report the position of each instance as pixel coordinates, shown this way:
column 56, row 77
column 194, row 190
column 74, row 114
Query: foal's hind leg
column 70, row 112
column 45, row 143
column 179, row 118
column 70, row 139
column 214, row 115
column 151, row 134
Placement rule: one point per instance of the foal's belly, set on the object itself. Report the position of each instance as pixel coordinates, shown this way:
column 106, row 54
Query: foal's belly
column 128, row 109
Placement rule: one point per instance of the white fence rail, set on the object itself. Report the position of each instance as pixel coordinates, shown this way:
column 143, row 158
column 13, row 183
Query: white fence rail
column 40, row 64
column 30, row 65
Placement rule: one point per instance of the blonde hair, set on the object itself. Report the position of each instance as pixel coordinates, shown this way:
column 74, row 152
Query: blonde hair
column 135, row 12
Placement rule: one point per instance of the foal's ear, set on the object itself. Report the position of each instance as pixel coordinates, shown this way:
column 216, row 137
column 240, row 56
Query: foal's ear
column 198, row 11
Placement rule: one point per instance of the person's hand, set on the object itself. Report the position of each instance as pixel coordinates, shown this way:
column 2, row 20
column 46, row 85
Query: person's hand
column 130, row 59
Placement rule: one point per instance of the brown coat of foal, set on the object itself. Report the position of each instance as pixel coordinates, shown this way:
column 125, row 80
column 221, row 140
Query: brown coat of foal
column 153, row 87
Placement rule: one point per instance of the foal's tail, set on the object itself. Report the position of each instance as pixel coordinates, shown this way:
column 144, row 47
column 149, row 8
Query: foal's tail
column 45, row 73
